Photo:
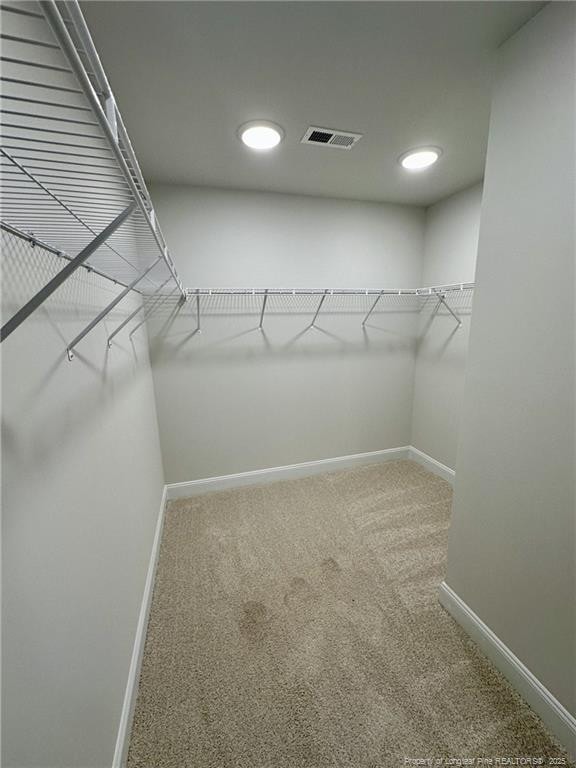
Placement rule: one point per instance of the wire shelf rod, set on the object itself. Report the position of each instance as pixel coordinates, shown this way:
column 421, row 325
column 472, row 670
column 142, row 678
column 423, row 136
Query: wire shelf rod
column 61, row 173
column 20, row 11
column 58, row 152
column 34, row 84
column 53, row 118
column 36, row 64
column 59, row 162
column 44, row 103
column 27, row 41
column 72, row 180
column 52, row 130
column 73, row 194
column 52, row 143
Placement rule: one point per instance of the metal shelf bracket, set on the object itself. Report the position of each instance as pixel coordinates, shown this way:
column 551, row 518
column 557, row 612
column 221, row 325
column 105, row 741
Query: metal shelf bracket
column 132, row 315
column 442, row 300
column 372, row 308
column 264, row 301
column 313, row 323
column 107, row 309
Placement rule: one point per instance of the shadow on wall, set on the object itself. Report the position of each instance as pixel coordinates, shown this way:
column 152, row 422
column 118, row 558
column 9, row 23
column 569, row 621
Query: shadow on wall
column 76, row 417
column 95, row 382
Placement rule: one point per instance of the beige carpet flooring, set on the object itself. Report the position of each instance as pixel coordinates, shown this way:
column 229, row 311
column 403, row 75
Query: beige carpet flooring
column 297, row 625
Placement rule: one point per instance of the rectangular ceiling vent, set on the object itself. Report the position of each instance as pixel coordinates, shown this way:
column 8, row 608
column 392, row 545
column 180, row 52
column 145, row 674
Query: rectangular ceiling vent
column 329, row 137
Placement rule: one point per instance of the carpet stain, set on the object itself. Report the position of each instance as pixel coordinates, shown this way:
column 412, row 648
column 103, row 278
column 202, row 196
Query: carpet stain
column 299, row 591
column 254, row 622
column 265, row 649
column 330, row 566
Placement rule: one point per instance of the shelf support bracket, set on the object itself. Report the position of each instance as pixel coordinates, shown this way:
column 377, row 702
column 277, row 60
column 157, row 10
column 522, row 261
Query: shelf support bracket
column 372, row 308
column 150, row 311
column 37, row 300
column 265, row 300
column 312, row 324
column 110, row 112
column 198, row 329
column 442, row 300
column 107, row 309
column 132, row 315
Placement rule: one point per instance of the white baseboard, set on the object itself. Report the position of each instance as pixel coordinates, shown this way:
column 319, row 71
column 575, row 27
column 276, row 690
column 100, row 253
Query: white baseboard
column 290, row 472
column 555, row 716
column 432, row 465
column 124, row 728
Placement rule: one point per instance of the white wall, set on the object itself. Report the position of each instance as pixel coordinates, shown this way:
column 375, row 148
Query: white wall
column 82, row 482
column 232, row 399
column 512, row 542
column 451, row 245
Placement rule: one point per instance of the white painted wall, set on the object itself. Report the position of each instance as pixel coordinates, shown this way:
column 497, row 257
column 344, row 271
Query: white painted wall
column 512, row 542
column 451, row 245
column 232, row 399
column 82, row 482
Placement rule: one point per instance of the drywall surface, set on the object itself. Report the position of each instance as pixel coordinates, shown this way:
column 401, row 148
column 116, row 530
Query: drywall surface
column 511, row 552
column 82, row 483
column 451, row 245
column 233, row 398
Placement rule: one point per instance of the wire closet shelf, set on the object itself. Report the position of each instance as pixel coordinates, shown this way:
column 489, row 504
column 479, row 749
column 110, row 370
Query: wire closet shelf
column 314, row 301
column 70, row 180
column 71, row 183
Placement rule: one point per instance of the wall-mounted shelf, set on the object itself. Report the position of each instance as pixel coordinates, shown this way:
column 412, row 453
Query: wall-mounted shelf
column 313, row 302
column 70, row 179
column 72, row 185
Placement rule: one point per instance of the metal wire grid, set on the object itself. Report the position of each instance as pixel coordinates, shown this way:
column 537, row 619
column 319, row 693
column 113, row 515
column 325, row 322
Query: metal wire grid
column 60, row 177
column 297, row 303
column 25, row 268
column 221, row 301
column 63, row 179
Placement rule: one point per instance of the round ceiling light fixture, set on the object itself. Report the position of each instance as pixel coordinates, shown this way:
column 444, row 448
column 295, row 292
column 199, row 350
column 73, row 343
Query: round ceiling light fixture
column 261, row 134
column 419, row 159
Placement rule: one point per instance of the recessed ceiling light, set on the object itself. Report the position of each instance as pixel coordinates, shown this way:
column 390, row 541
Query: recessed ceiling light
column 418, row 159
column 261, row 134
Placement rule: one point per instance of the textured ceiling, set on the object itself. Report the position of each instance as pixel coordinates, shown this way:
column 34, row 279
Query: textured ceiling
column 187, row 74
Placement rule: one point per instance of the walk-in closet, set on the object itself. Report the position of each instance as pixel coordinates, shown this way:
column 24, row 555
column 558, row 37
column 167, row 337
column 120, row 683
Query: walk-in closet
column 287, row 405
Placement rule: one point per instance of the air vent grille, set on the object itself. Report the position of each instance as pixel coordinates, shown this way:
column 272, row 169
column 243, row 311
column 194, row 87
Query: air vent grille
column 329, row 137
